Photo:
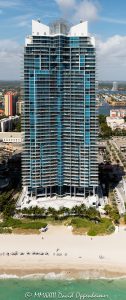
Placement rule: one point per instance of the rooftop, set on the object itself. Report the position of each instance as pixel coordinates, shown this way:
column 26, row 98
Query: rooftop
column 59, row 27
column 10, row 134
column 10, row 93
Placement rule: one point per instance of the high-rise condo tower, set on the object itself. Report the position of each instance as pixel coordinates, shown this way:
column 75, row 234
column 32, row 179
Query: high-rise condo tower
column 60, row 116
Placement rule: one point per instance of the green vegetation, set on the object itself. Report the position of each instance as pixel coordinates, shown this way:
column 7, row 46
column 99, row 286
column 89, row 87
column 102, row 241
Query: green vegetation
column 82, row 219
column 106, row 155
column 106, row 131
column 119, row 132
column 63, row 213
column 7, row 204
column 18, row 125
column 2, row 117
column 36, row 211
column 113, row 213
column 125, row 218
column 92, row 228
column 5, row 230
column 22, row 224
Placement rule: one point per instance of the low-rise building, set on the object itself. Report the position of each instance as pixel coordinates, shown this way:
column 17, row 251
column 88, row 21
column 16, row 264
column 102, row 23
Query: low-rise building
column 6, row 124
column 120, row 113
column 11, row 137
column 116, row 122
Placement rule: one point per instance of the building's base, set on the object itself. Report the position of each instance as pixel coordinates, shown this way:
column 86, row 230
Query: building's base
column 56, row 202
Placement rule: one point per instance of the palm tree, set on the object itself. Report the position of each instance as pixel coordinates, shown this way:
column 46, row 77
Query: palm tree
column 64, row 211
column 93, row 214
column 79, row 210
column 51, row 211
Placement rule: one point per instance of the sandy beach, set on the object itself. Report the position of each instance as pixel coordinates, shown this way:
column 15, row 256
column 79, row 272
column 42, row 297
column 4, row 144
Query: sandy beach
column 58, row 252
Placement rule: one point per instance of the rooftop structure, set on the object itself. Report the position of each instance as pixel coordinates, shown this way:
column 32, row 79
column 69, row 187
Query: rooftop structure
column 120, row 113
column 116, row 122
column 11, row 137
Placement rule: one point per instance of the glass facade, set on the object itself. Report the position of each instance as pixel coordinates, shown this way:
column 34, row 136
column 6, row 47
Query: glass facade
column 60, row 118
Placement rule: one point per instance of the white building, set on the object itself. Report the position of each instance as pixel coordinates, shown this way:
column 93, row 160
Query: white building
column 115, row 86
column 11, row 137
column 7, row 123
column 116, row 122
column 121, row 113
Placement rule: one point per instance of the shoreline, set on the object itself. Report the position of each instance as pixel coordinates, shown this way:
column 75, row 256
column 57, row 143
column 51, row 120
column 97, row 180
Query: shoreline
column 69, row 256
column 63, row 274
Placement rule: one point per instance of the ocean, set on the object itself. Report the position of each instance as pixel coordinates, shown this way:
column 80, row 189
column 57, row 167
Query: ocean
column 20, row 289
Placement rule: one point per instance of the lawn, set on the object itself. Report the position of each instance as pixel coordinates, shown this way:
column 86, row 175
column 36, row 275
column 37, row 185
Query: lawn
column 83, row 226
column 80, row 225
column 23, row 225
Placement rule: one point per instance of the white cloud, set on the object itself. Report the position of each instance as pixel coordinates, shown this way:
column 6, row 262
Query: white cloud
column 9, row 4
column 10, row 59
column 111, row 58
column 66, row 4
column 87, row 10
column 22, row 20
column 76, row 10
column 111, row 20
column 67, row 7
column 23, row 23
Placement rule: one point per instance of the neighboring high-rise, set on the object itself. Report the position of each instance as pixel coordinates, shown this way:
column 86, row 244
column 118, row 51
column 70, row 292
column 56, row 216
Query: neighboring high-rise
column 10, row 99
column 19, row 107
column 59, row 113
column 115, row 86
column 97, row 86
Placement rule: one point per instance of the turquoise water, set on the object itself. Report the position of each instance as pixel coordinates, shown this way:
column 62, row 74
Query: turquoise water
column 20, row 289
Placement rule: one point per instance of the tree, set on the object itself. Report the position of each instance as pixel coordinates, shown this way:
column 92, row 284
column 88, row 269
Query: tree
column 125, row 218
column 9, row 210
column 105, row 130
column 93, row 214
column 79, row 210
column 64, row 210
column 108, row 209
column 18, row 126
column 112, row 212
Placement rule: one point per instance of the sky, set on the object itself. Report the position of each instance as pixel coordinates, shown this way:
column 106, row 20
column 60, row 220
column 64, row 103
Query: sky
column 107, row 22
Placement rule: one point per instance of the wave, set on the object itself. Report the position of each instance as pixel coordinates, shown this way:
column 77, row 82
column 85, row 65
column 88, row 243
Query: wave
column 61, row 276
column 46, row 276
column 8, row 276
